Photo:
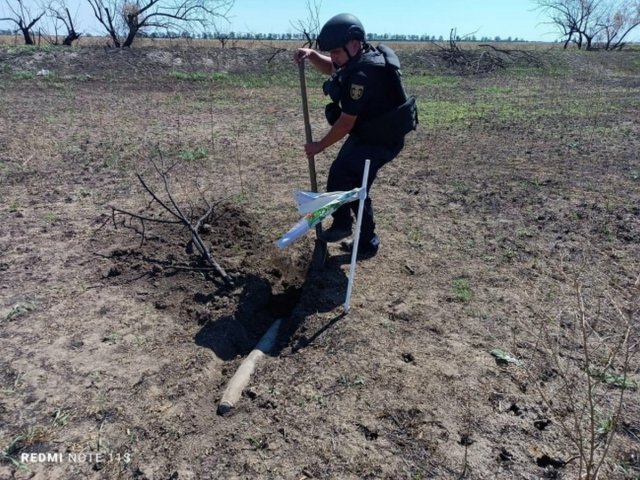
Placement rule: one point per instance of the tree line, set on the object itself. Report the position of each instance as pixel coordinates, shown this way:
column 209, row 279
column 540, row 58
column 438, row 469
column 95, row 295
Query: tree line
column 230, row 36
column 371, row 37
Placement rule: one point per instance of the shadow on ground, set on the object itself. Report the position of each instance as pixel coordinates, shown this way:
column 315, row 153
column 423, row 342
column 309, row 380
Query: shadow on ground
column 260, row 303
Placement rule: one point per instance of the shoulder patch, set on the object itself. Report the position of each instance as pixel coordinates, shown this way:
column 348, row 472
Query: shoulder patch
column 356, row 91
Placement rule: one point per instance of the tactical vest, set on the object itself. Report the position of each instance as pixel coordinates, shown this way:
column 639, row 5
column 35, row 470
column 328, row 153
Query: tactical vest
column 389, row 127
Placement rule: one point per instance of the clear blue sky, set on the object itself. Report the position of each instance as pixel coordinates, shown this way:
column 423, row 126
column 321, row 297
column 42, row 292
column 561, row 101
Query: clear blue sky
column 484, row 18
column 490, row 18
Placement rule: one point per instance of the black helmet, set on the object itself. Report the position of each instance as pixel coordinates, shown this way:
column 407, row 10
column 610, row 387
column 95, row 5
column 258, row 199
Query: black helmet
column 339, row 30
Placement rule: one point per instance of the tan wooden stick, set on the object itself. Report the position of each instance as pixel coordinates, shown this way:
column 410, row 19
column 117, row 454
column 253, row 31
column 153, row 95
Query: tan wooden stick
column 320, row 251
column 241, row 378
column 307, row 125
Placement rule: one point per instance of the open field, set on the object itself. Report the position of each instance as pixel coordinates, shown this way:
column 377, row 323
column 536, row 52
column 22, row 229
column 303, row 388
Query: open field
column 510, row 222
column 148, row 42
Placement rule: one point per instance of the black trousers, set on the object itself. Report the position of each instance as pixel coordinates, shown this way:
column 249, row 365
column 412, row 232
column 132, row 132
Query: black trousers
column 346, row 174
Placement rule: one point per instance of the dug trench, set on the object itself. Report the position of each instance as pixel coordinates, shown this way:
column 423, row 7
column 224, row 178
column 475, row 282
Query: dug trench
column 267, row 284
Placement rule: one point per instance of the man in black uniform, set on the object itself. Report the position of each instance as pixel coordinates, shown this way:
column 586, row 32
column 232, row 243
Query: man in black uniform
column 368, row 104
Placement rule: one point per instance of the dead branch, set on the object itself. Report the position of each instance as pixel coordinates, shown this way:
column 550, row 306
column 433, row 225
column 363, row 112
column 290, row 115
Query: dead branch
column 479, row 61
column 179, row 218
column 276, row 52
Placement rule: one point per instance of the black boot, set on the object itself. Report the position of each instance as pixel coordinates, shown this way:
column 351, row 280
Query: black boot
column 335, row 234
column 365, row 249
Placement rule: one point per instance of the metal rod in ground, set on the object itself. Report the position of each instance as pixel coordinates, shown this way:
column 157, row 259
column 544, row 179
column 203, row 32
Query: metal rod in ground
column 241, row 378
column 356, row 238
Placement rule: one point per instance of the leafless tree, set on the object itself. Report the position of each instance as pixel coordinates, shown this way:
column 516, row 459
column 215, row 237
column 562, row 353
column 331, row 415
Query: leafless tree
column 592, row 23
column 616, row 22
column 310, row 27
column 125, row 19
column 571, row 17
column 23, row 17
column 58, row 10
column 223, row 36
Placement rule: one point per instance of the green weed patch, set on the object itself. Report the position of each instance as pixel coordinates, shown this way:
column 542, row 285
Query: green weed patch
column 23, row 75
column 461, row 290
column 198, row 76
column 193, row 154
column 496, row 105
column 427, row 80
column 269, row 79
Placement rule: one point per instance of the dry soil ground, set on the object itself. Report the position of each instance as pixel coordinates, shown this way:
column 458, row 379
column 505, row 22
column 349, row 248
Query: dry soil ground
column 511, row 221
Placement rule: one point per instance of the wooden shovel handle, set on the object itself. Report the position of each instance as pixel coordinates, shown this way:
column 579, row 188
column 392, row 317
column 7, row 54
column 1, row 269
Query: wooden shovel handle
column 307, row 125
column 319, row 256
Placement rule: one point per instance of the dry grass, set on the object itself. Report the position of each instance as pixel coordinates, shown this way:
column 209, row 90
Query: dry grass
column 287, row 44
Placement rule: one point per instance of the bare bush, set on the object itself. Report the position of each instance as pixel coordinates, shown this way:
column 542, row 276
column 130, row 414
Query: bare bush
column 582, row 371
column 481, row 61
column 177, row 217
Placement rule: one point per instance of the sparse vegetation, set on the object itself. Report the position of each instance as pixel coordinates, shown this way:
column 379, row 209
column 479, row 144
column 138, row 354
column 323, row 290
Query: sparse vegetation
column 193, row 154
column 461, row 290
column 460, row 328
column 198, row 76
column 18, row 310
column 589, row 412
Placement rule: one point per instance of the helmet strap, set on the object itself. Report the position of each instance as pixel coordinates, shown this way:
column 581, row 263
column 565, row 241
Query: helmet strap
column 351, row 57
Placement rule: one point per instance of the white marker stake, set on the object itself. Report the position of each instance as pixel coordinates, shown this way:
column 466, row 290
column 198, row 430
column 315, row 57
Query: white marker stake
column 356, row 239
